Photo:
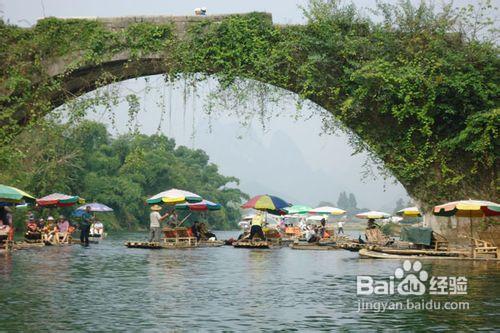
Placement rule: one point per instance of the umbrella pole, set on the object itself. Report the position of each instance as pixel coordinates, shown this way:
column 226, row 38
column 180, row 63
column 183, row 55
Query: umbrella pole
column 184, row 220
column 471, row 235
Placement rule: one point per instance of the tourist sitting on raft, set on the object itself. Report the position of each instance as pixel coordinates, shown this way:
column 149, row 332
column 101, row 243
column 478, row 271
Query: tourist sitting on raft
column 97, row 229
column 49, row 232
column 41, row 223
column 62, row 234
column 311, row 234
column 194, row 230
column 32, row 231
column 204, row 233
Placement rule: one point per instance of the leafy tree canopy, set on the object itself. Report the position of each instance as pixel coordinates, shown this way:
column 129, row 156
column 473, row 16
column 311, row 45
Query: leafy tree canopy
column 85, row 160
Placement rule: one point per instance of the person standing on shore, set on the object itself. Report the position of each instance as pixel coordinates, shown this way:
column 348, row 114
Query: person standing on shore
column 85, row 226
column 155, row 219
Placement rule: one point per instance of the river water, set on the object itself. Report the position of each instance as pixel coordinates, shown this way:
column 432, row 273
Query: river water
column 108, row 287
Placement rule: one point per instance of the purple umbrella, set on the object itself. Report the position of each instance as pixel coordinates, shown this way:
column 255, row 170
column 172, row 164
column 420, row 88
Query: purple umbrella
column 96, row 207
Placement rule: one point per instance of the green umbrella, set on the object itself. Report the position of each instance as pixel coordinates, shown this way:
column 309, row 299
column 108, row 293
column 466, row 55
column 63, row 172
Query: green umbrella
column 9, row 194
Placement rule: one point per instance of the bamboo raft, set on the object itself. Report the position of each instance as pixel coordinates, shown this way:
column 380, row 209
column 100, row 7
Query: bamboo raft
column 371, row 254
column 216, row 243
column 161, row 245
column 313, row 246
column 252, row 244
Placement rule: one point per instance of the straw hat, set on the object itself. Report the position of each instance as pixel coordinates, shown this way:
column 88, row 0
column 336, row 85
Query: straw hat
column 50, row 218
column 156, row 207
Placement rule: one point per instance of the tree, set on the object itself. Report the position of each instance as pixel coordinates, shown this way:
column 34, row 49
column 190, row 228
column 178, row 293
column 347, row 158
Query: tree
column 353, row 204
column 343, row 201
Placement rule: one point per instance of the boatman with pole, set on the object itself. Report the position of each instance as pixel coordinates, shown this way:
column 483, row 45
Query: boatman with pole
column 154, row 223
column 256, row 226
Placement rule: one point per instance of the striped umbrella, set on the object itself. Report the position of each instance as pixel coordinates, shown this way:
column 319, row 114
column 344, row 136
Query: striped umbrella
column 201, row 206
column 59, row 200
column 470, row 209
column 267, row 203
column 10, row 196
column 174, row 196
column 327, row 210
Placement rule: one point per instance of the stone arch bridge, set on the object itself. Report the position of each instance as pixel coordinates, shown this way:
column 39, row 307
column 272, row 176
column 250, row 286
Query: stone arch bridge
column 344, row 65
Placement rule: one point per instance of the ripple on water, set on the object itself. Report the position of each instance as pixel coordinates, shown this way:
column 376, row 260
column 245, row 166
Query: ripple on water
column 108, row 287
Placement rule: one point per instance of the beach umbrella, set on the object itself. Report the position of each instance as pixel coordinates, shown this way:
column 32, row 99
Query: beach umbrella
column 297, row 209
column 372, row 215
column 267, row 203
column 409, row 212
column 201, row 206
column 174, row 196
column 327, row 210
column 10, row 196
column 316, row 217
column 59, row 200
column 468, row 208
column 95, row 207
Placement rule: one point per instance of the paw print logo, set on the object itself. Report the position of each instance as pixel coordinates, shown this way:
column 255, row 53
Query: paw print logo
column 412, row 283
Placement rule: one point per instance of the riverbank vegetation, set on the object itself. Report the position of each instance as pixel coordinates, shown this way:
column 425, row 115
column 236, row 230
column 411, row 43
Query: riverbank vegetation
column 121, row 172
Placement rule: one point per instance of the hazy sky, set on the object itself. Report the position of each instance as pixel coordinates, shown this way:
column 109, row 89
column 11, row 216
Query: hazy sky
column 290, row 158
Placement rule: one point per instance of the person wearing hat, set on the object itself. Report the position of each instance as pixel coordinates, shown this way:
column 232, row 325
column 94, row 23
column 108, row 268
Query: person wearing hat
column 50, row 231
column 155, row 219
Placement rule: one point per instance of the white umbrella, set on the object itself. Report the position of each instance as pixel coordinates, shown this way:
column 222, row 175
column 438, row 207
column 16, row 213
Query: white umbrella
column 174, row 196
column 327, row 210
column 373, row 215
column 316, row 218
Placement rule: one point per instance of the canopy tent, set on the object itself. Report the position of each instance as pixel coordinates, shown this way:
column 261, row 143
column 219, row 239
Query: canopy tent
column 174, row 196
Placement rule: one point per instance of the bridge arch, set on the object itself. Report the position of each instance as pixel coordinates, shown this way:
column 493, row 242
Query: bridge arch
column 337, row 64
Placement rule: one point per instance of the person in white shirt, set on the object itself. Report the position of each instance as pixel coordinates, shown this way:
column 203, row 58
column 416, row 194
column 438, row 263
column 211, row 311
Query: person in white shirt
column 340, row 226
column 155, row 219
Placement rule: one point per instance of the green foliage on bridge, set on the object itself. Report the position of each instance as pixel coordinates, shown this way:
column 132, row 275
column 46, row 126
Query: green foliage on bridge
column 418, row 89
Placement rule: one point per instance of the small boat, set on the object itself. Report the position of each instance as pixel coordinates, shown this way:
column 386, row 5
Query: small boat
column 372, row 254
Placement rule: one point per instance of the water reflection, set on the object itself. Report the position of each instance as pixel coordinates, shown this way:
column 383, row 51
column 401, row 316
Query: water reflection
column 110, row 287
